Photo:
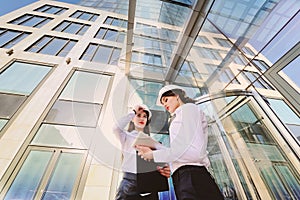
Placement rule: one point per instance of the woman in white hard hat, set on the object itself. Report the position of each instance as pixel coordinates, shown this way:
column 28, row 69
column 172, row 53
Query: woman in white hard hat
column 138, row 121
column 187, row 154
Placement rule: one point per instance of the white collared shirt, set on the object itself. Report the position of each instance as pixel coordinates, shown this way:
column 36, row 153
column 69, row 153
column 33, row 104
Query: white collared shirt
column 127, row 138
column 188, row 139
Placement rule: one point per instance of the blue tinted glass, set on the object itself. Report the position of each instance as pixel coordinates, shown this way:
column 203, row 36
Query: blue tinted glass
column 7, row 37
column 62, row 26
column 67, row 48
column 16, row 40
column 54, row 46
column 39, row 44
column 21, row 19
column 2, row 123
column 83, row 29
column 33, row 21
column 292, row 70
column 73, row 28
column 29, row 177
column 102, row 55
column 111, row 35
column 64, row 176
column 89, row 52
column 22, row 78
column 284, row 112
column 100, row 33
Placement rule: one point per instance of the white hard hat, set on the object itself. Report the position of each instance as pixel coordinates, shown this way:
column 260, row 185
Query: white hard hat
column 166, row 89
column 144, row 108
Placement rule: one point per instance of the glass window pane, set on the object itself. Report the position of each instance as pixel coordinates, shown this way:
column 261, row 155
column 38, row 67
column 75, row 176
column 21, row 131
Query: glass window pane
column 8, row 36
column 74, row 113
column 115, row 57
column 2, row 123
column 89, row 52
column 274, row 183
column 100, row 33
column 121, row 37
column 63, row 179
column 76, row 14
column 33, row 21
column 54, row 46
column 285, row 114
column 111, row 35
column 102, row 55
column 53, row 10
column 9, row 104
column 85, row 16
column 94, row 18
column 15, row 40
column 30, row 175
column 108, row 20
column 290, row 180
column 61, row 26
column 39, row 44
column 86, row 87
column 73, row 28
column 45, row 21
column 21, row 19
column 67, row 48
column 83, row 29
column 291, row 74
column 22, row 78
column 64, row 136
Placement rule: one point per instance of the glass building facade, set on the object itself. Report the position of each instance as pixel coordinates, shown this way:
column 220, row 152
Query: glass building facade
column 68, row 72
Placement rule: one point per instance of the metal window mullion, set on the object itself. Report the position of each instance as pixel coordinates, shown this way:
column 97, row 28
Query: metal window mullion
column 69, row 24
column 13, row 39
column 92, row 57
column 47, row 175
column 25, row 20
column 42, row 21
column 111, row 53
column 79, row 30
column 63, row 47
column 46, row 44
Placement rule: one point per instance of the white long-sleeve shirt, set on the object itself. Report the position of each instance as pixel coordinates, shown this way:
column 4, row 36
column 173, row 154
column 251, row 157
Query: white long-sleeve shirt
column 188, row 139
column 126, row 138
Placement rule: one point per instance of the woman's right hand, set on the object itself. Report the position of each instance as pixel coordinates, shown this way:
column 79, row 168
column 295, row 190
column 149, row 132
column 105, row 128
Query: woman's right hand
column 165, row 170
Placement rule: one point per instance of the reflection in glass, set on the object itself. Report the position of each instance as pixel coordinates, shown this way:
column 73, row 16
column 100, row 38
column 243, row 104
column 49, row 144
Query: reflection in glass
column 264, row 151
column 63, row 178
column 22, row 78
column 9, row 104
column 290, row 179
column 74, row 113
column 286, row 115
column 86, row 87
column 64, row 136
column 29, row 177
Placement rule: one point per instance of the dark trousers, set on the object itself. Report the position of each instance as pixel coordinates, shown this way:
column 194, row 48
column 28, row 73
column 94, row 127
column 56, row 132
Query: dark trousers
column 128, row 190
column 195, row 183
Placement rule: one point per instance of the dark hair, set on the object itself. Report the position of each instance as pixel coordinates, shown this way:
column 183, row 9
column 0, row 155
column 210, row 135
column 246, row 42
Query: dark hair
column 180, row 93
column 131, row 126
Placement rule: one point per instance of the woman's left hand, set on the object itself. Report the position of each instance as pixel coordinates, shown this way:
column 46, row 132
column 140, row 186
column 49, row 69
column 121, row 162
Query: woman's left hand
column 145, row 152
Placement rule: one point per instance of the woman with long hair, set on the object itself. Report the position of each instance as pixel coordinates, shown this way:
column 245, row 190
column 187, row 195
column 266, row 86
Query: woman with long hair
column 138, row 120
column 187, row 154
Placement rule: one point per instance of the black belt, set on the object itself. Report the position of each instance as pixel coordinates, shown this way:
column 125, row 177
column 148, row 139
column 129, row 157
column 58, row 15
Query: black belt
column 130, row 176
